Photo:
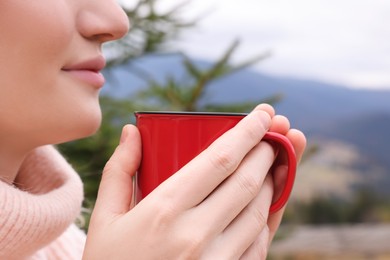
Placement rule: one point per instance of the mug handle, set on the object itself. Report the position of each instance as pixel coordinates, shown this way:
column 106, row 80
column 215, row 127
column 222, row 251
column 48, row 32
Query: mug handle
column 291, row 164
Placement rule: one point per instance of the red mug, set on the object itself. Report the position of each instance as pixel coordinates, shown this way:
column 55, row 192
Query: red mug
column 172, row 139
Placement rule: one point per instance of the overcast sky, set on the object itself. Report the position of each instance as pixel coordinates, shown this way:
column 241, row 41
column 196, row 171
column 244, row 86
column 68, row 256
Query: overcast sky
column 341, row 41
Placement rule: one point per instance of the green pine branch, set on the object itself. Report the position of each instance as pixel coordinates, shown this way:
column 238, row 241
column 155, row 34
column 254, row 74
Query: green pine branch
column 185, row 95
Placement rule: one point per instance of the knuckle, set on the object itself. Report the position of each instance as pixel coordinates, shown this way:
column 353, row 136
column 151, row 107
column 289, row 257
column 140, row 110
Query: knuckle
column 112, row 169
column 164, row 215
column 194, row 243
column 260, row 218
column 109, row 166
column 223, row 159
column 109, row 170
column 248, row 184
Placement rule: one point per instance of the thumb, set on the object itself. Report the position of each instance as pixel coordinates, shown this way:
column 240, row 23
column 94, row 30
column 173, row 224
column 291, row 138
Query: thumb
column 116, row 187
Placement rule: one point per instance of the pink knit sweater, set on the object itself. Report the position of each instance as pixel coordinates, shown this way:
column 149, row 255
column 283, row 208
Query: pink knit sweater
column 37, row 213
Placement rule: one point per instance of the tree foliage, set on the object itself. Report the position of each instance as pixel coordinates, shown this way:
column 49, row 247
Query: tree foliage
column 151, row 31
column 186, row 95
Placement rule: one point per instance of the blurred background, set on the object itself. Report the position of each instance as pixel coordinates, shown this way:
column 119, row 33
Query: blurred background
column 323, row 64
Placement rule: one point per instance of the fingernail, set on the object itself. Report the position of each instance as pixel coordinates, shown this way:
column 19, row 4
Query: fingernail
column 123, row 135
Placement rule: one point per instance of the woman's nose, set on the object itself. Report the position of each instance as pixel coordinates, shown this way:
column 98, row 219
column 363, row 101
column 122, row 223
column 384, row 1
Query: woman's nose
column 102, row 20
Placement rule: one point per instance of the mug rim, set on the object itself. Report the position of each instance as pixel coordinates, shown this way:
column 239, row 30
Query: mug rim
column 191, row 113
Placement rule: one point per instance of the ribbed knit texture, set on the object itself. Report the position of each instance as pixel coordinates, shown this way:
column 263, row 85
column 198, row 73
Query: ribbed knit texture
column 36, row 214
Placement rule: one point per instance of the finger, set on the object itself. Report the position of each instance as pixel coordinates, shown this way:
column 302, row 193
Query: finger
column 233, row 195
column 259, row 249
column 279, row 174
column 280, row 124
column 266, row 108
column 116, row 188
column 246, row 227
column 196, row 180
column 275, row 219
column 298, row 140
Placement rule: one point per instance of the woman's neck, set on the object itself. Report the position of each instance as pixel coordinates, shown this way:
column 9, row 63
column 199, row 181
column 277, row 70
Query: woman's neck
column 10, row 162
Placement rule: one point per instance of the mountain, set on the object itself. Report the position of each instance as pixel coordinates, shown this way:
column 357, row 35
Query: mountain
column 359, row 117
column 310, row 105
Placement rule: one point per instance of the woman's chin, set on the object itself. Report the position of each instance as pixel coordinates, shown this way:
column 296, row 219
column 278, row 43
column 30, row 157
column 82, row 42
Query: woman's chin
column 82, row 129
column 90, row 126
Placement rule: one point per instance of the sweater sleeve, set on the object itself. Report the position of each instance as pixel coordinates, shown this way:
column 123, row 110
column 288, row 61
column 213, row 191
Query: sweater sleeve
column 69, row 246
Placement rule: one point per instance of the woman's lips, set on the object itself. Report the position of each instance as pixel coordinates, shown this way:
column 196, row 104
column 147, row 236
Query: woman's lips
column 88, row 71
column 94, row 78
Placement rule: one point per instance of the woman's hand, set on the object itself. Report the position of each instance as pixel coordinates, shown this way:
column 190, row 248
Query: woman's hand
column 215, row 207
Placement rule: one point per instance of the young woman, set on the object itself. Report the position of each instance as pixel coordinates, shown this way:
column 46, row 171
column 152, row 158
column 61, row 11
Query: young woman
column 50, row 58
